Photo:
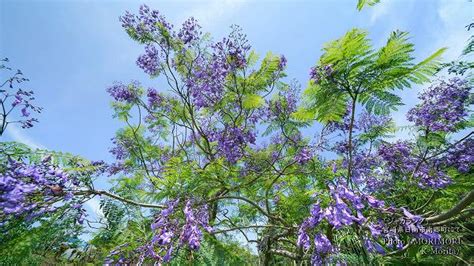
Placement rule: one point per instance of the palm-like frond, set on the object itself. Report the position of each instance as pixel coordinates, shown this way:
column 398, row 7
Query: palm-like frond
column 349, row 54
column 325, row 105
column 366, row 75
column 362, row 3
column 380, row 102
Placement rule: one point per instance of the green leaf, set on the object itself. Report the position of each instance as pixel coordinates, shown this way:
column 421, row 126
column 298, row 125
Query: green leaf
column 252, row 101
column 363, row 3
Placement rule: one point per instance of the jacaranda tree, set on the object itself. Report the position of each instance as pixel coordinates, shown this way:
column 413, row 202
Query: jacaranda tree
column 225, row 162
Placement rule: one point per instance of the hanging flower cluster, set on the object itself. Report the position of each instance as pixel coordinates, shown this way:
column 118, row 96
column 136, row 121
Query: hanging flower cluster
column 443, row 106
column 33, row 189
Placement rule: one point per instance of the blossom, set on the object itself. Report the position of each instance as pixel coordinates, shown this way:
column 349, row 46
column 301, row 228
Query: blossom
column 460, row 156
column 150, row 60
column 148, row 24
column 282, row 63
column 304, row 155
column 231, row 141
column 443, row 106
column 190, row 31
column 29, row 188
column 154, row 98
column 322, row 244
column 373, row 246
column 17, row 98
column 303, row 239
column 124, row 93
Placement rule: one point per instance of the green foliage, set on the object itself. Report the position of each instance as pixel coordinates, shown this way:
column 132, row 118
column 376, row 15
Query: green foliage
column 362, row 3
column 215, row 252
column 25, row 242
column 252, row 101
column 365, row 75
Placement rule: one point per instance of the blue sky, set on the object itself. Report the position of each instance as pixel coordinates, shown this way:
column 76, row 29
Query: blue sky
column 72, row 50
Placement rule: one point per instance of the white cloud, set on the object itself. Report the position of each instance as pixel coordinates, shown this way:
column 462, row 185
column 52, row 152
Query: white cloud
column 94, row 205
column 454, row 15
column 380, row 10
column 17, row 134
column 210, row 13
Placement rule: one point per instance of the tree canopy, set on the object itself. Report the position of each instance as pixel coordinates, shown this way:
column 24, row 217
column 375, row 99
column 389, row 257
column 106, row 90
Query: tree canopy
column 215, row 165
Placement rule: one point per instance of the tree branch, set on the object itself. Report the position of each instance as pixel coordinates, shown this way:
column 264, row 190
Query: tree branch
column 251, row 203
column 466, row 201
column 113, row 196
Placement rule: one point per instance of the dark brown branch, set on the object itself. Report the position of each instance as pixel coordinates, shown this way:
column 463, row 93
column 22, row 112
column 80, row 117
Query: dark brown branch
column 113, row 196
column 285, row 253
column 465, row 202
column 260, row 209
column 244, row 227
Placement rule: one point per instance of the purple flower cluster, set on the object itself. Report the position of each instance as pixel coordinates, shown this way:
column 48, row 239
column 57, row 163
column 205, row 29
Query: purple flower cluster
column 195, row 219
column 10, row 99
column 124, row 93
column 33, row 188
column 120, row 151
column 151, row 28
column 399, row 160
column 322, row 247
column 147, row 26
column 150, row 60
column 169, row 232
column 154, row 98
column 397, row 156
column 231, row 142
column 443, row 106
column 165, row 229
column 190, row 31
column 233, row 49
column 206, row 81
column 208, row 76
column 283, row 62
column 461, row 156
column 373, row 246
column 304, row 155
column 368, row 121
column 339, row 214
column 283, row 104
column 318, row 73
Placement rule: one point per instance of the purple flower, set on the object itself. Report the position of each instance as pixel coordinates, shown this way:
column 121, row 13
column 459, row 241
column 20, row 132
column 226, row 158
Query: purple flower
column 328, row 70
column 190, row 31
column 322, row 244
column 31, row 188
column 150, row 61
column 314, row 75
column 443, row 106
column 24, row 112
column 304, row 155
column 303, row 239
column 373, row 202
column 231, row 142
column 410, row 216
column 124, row 93
column 461, row 156
column 148, row 25
column 282, row 63
column 373, row 246
column 154, row 98
column 375, row 229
